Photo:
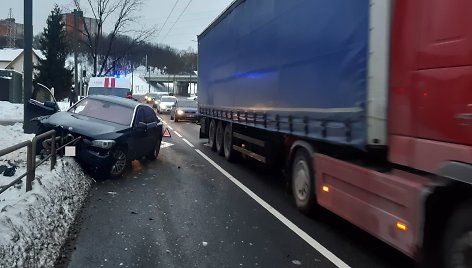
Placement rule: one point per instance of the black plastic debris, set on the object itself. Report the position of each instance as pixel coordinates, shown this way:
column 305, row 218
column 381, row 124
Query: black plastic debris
column 2, row 168
column 9, row 172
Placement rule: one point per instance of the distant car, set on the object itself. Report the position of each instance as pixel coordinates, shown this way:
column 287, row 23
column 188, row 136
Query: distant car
column 150, row 98
column 165, row 103
column 113, row 130
column 184, row 110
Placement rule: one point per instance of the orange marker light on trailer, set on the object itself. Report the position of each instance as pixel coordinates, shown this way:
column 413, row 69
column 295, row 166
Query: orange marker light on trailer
column 325, row 189
column 401, row 226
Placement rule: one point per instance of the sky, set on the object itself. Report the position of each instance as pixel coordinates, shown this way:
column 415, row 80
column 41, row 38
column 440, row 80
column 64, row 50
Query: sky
column 187, row 19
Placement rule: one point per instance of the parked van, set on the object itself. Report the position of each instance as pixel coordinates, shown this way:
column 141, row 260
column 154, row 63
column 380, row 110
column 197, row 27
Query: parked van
column 120, row 87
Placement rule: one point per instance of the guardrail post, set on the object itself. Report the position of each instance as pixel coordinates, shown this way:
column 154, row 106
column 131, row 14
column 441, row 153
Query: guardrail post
column 33, row 157
column 29, row 167
column 53, row 151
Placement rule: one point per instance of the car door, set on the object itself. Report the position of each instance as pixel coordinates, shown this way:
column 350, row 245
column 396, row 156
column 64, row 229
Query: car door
column 42, row 103
column 137, row 146
column 154, row 127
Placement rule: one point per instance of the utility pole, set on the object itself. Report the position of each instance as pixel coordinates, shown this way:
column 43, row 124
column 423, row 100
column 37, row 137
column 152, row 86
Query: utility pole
column 74, row 33
column 132, row 78
column 149, row 75
column 28, row 64
column 11, row 30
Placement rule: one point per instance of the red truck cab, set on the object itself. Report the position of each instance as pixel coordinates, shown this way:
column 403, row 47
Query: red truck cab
column 422, row 205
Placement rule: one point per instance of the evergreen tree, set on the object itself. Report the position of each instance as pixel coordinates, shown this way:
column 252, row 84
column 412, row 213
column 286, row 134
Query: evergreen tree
column 52, row 43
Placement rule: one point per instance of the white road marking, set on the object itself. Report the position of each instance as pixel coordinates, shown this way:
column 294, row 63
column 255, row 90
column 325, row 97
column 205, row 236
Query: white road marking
column 168, row 126
column 302, row 234
column 177, row 133
column 165, row 144
column 186, row 141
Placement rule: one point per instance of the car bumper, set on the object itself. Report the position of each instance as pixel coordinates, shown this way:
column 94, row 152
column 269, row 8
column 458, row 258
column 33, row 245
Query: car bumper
column 187, row 116
column 92, row 156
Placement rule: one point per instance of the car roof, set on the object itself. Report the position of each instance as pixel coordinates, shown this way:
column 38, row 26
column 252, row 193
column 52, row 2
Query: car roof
column 115, row 99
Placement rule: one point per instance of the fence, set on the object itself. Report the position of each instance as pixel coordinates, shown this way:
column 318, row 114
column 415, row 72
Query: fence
column 31, row 164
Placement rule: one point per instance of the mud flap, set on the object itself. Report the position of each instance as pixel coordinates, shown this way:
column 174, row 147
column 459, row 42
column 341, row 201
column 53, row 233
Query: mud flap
column 204, row 128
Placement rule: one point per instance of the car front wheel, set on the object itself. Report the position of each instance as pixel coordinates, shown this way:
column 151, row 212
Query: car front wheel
column 120, row 162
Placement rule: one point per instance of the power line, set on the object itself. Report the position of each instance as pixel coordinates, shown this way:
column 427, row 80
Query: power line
column 178, row 18
column 168, row 16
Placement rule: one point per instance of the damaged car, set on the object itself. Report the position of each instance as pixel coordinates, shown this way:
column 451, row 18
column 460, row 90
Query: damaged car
column 112, row 131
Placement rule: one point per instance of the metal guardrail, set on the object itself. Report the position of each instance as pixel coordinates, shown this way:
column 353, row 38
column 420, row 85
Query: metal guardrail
column 31, row 158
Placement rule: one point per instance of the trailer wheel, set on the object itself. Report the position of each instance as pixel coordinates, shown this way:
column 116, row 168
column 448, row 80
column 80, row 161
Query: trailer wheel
column 303, row 182
column 211, row 134
column 458, row 238
column 228, row 143
column 219, row 138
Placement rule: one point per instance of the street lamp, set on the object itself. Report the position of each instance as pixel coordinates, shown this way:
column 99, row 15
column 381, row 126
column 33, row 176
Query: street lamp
column 149, row 75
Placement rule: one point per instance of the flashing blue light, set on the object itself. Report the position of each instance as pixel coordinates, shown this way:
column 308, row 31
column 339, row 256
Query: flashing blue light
column 122, row 76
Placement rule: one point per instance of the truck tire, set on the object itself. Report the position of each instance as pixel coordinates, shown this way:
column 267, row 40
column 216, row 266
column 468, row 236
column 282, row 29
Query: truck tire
column 457, row 243
column 302, row 179
column 219, row 138
column 228, row 143
column 211, row 134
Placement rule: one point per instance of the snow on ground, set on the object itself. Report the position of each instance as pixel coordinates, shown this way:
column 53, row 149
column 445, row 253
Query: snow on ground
column 34, row 224
column 13, row 112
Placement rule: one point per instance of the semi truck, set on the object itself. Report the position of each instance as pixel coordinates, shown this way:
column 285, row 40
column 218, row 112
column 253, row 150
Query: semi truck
column 366, row 104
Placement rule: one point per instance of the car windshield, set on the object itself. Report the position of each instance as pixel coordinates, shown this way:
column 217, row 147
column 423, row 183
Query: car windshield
column 191, row 104
column 167, row 99
column 104, row 110
column 120, row 92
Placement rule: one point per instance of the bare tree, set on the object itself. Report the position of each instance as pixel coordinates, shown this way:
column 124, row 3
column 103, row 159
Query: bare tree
column 100, row 46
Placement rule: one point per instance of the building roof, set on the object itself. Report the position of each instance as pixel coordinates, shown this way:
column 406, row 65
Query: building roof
column 10, row 54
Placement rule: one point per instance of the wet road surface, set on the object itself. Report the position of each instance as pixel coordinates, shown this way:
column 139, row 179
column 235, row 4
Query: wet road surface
column 191, row 208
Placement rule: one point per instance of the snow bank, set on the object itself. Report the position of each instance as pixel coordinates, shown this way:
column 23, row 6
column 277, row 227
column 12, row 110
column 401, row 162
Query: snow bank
column 13, row 112
column 34, row 225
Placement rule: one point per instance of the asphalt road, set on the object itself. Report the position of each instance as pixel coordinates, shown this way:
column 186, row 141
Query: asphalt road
column 191, row 208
